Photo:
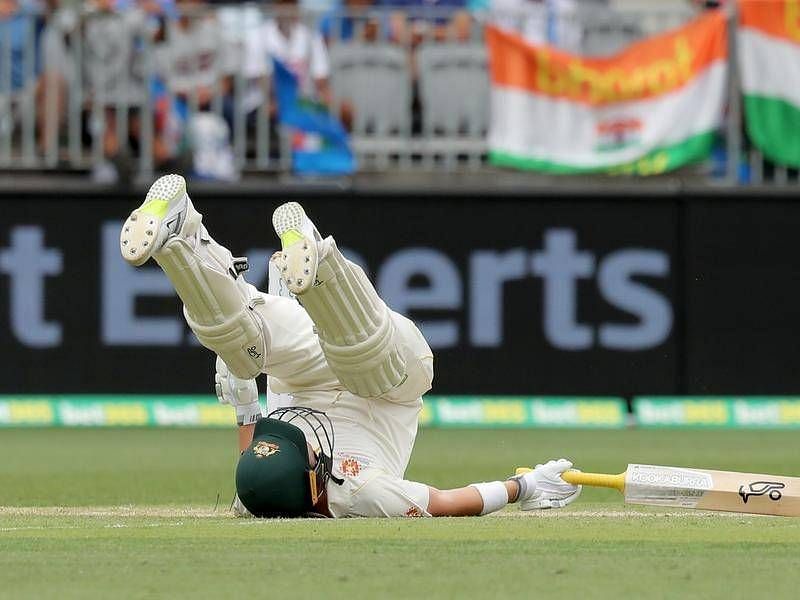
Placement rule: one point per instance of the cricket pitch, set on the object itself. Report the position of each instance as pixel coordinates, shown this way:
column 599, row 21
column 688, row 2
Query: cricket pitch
column 144, row 513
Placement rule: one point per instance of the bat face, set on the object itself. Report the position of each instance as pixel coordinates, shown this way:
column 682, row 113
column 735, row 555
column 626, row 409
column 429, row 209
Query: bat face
column 712, row 490
column 666, row 486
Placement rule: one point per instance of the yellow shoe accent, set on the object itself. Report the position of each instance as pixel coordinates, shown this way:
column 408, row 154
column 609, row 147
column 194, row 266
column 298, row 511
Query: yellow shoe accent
column 289, row 237
column 300, row 257
column 155, row 208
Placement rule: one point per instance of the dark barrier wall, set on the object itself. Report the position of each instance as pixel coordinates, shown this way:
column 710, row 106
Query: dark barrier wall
column 557, row 295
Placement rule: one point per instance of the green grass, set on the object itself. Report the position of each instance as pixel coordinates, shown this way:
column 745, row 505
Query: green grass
column 169, row 541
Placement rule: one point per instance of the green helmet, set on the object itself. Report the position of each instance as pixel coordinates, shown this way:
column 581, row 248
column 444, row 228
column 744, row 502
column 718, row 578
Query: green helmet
column 274, row 477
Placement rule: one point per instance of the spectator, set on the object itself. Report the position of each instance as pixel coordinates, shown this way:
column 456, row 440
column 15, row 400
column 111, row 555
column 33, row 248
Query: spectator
column 707, row 4
column 19, row 34
column 155, row 9
column 115, row 78
column 196, row 63
column 58, row 68
column 553, row 22
column 355, row 21
column 417, row 20
column 301, row 49
column 319, row 7
column 19, row 62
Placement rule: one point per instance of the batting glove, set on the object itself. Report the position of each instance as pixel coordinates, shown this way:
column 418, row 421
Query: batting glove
column 543, row 487
column 242, row 394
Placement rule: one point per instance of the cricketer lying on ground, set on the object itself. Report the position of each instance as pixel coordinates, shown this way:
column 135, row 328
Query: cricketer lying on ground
column 351, row 371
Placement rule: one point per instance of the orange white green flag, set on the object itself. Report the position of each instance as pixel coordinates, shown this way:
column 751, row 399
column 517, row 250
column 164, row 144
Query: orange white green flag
column 651, row 108
column 769, row 58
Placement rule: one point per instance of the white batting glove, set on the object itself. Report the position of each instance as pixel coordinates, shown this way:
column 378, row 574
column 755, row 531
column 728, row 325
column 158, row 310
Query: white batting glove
column 242, row 394
column 543, row 487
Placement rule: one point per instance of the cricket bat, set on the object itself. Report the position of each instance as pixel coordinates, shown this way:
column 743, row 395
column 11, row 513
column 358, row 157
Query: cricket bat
column 699, row 488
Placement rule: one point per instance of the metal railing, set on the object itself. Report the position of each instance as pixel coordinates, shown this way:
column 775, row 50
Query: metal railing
column 84, row 90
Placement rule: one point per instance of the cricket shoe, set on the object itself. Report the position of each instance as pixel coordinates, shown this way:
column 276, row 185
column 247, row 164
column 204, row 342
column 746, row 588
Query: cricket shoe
column 161, row 215
column 300, row 243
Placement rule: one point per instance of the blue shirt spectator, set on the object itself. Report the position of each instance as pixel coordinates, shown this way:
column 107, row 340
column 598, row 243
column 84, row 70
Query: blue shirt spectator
column 166, row 8
column 19, row 36
column 423, row 4
column 438, row 12
column 354, row 21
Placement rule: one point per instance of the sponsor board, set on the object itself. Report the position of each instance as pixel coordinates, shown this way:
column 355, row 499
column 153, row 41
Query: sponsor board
column 114, row 411
column 625, row 292
column 569, row 288
column 205, row 411
column 437, row 411
column 744, row 412
column 493, row 411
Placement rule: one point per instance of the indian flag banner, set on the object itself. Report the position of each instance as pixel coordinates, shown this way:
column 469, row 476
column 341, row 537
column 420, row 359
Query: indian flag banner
column 648, row 109
column 769, row 55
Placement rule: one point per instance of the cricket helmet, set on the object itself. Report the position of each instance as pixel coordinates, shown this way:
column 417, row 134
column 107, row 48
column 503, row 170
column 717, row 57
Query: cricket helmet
column 274, row 477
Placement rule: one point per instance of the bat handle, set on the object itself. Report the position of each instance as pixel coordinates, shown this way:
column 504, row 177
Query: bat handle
column 616, row 482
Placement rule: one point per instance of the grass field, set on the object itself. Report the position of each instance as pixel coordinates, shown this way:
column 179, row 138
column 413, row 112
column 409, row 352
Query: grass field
column 143, row 514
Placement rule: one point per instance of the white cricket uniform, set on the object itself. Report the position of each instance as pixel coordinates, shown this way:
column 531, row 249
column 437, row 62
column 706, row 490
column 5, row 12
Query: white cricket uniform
column 302, row 51
column 373, row 437
column 256, row 332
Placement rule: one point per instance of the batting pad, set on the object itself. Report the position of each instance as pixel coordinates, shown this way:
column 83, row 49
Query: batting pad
column 217, row 302
column 356, row 333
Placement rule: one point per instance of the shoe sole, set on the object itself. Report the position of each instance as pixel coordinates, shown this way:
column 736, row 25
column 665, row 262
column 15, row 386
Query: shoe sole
column 298, row 260
column 144, row 232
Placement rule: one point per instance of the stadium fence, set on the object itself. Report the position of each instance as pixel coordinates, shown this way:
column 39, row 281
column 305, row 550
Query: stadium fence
column 413, row 83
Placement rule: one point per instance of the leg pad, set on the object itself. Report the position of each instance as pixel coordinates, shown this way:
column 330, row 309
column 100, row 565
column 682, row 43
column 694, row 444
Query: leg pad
column 357, row 334
column 239, row 342
column 217, row 303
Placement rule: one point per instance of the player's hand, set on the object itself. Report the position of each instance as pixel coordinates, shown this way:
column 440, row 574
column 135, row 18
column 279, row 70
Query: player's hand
column 232, row 390
column 242, row 394
column 544, row 488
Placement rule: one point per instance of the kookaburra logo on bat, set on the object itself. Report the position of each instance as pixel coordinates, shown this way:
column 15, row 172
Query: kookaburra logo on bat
column 759, row 488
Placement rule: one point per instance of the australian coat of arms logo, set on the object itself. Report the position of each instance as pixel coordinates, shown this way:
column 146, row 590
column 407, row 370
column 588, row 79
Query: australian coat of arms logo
column 266, row 449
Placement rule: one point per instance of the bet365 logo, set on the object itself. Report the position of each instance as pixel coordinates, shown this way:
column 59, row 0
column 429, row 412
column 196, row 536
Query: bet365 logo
column 760, row 488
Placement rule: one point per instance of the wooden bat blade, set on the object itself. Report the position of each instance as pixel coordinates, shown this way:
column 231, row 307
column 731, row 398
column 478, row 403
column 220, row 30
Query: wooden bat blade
column 699, row 488
column 713, row 490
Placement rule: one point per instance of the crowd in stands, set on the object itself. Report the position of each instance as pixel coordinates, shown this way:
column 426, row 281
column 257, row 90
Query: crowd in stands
column 183, row 58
